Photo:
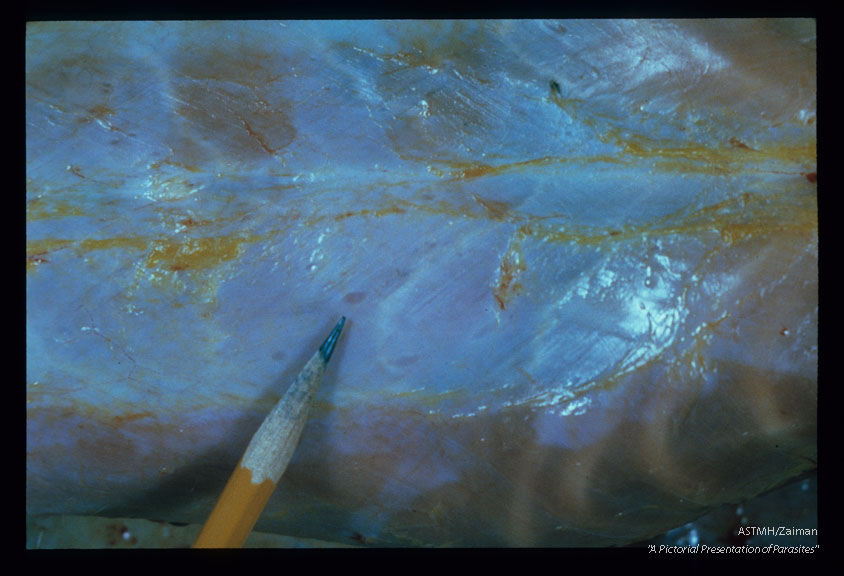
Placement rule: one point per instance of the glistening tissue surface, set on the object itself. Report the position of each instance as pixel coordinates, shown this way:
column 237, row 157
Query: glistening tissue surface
column 578, row 261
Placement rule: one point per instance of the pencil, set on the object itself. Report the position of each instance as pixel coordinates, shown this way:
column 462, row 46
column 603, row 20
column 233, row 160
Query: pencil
column 266, row 457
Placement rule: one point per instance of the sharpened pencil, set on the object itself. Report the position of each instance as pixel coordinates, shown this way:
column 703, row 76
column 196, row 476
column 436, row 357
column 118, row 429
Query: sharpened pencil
column 266, row 458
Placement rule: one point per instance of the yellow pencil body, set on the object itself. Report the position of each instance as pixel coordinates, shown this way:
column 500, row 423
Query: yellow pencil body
column 236, row 512
column 271, row 448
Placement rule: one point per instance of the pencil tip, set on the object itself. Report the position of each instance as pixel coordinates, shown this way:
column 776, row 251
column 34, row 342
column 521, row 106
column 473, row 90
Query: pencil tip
column 328, row 346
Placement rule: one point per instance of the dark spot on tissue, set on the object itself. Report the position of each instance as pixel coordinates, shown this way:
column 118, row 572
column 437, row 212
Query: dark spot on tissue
column 354, row 297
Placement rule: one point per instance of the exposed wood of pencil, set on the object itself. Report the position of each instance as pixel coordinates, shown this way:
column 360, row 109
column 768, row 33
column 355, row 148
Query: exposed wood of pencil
column 262, row 465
